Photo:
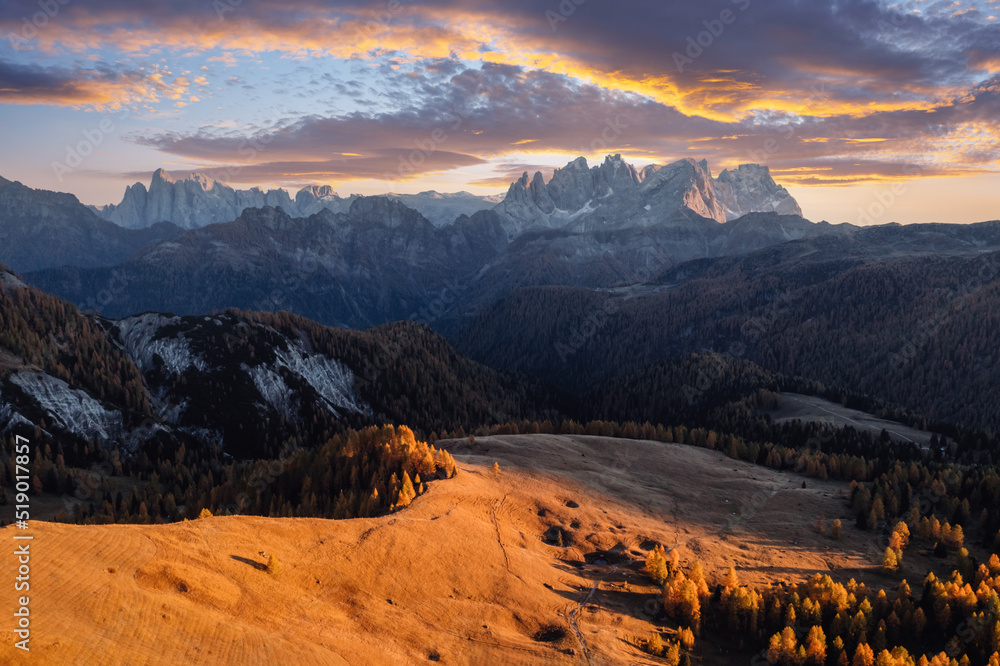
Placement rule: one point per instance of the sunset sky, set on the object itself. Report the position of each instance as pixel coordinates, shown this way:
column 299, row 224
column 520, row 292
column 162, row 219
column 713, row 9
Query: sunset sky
column 841, row 99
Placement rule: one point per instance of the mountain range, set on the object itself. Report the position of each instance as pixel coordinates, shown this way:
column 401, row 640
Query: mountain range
column 377, row 263
column 635, row 275
column 616, row 195
column 200, row 200
column 611, row 195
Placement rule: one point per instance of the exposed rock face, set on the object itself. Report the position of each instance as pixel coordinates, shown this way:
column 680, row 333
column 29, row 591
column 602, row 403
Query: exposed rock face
column 750, row 189
column 199, row 200
column 314, row 198
column 190, row 203
column 614, row 195
column 73, row 410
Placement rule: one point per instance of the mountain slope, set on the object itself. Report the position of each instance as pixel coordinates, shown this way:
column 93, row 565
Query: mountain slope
column 41, row 229
column 243, row 382
column 907, row 314
column 615, row 257
column 384, row 262
column 463, row 575
column 379, row 262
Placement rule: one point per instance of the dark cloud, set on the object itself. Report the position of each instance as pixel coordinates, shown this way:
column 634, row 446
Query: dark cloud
column 385, row 165
column 100, row 86
column 501, row 109
column 484, row 113
column 851, row 88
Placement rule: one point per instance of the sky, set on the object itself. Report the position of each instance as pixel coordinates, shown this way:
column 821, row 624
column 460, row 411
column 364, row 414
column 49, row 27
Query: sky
column 868, row 111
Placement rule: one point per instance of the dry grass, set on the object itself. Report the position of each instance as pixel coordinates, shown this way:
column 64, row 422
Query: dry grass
column 815, row 409
column 464, row 575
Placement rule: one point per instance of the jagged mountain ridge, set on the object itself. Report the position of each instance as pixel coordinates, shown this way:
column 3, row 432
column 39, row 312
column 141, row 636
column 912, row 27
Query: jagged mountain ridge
column 379, row 262
column 612, row 258
column 189, row 203
column 200, row 200
column 42, row 229
column 611, row 195
column 616, row 195
column 384, row 262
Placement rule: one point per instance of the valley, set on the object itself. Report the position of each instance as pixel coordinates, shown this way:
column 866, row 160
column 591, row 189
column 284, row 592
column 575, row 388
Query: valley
column 500, row 333
column 653, row 430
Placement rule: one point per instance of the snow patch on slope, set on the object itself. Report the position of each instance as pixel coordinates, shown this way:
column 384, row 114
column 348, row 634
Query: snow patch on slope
column 9, row 418
column 74, row 410
column 137, row 334
column 587, row 208
column 272, row 387
column 331, row 379
column 10, row 280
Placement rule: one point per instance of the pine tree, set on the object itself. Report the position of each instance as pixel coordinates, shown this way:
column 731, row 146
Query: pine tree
column 816, row 646
column 673, row 654
column 406, row 493
column 863, row 656
column 654, row 645
column 656, row 565
column 900, row 538
column 783, row 648
column 890, row 560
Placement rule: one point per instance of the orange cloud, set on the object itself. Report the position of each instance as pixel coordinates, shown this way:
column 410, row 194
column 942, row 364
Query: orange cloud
column 85, row 89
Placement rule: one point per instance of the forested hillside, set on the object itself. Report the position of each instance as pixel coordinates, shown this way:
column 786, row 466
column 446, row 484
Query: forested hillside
column 190, row 413
column 917, row 332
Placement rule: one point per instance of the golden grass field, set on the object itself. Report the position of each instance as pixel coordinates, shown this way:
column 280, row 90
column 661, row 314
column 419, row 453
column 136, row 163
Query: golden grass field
column 463, row 576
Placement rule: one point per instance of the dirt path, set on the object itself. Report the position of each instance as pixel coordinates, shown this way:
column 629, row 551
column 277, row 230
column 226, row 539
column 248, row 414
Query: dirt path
column 496, row 525
column 573, row 623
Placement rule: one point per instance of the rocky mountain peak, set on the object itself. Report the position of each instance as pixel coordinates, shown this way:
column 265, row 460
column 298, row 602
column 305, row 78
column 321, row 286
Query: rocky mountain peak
column 750, row 189
column 520, row 184
column 199, row 200
column 161, row 176
column 614, row 194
